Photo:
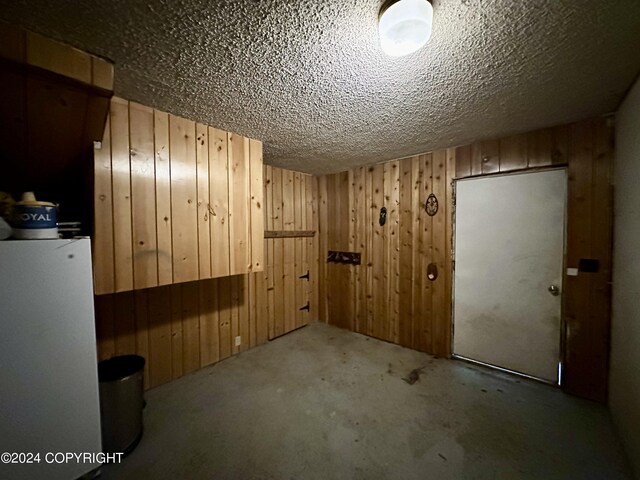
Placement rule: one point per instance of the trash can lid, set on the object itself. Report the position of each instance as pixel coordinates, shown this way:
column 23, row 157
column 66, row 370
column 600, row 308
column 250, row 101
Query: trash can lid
column 117, row 368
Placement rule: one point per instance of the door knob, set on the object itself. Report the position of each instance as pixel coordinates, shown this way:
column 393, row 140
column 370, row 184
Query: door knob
column 554, row 290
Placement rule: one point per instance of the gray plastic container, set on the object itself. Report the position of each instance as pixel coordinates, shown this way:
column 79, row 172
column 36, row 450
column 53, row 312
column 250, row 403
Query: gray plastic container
column 121, row 402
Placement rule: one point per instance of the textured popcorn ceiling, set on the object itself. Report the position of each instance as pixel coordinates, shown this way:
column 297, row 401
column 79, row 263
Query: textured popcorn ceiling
column 307, row 77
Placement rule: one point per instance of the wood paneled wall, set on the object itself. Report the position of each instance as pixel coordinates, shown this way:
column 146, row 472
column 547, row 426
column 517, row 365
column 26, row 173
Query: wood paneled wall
column 587, row 301
column 587, row 149
column 175, row 201
column 389, row 296
column 182, row 327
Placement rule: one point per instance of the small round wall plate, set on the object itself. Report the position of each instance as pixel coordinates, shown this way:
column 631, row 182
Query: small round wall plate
column 431, row 205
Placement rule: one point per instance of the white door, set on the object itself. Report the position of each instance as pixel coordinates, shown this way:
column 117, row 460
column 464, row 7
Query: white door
column 509, row 245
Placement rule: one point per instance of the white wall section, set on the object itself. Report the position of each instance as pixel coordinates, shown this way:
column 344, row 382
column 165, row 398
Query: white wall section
column 624, row 380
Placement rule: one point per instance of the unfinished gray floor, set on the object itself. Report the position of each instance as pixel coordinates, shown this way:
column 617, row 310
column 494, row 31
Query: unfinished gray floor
column 324, row 403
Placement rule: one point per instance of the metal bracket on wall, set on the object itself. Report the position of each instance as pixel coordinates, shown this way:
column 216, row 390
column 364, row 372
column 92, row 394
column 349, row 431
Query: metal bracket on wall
column 306, row 307
column 350, row 258
column 306, row 275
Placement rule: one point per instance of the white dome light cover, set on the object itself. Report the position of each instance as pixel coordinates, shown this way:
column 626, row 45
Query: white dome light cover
column 405, row 27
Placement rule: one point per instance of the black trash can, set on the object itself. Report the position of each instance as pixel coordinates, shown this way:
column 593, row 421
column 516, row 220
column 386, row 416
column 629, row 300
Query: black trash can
column 121, row 402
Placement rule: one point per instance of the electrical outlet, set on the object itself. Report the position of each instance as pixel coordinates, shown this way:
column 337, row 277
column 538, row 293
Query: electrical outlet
column 238, row 340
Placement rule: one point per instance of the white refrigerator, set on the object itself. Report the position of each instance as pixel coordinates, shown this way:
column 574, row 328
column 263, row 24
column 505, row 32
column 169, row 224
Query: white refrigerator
column 48, row 364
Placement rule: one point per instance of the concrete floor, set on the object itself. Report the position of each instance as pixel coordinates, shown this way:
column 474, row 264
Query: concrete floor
column 324, row 403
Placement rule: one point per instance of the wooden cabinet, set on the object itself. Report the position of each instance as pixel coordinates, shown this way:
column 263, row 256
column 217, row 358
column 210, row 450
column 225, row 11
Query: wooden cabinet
column 175, row 201
column 53, row 104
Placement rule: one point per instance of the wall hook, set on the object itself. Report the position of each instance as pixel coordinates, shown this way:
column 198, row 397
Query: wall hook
column 383, row 216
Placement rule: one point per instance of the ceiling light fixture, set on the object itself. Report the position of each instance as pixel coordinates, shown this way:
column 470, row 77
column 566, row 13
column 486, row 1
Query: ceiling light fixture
column 404, row 26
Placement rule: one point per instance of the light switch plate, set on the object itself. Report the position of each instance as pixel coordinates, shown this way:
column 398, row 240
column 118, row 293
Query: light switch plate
column 238, row 340
column 572, row 272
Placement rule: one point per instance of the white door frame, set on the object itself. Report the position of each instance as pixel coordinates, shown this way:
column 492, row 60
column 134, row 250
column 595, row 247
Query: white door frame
column 562, row 338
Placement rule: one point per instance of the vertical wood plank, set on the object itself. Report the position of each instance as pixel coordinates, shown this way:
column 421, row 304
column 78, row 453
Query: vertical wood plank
column 288, row 205
column 160, row 336
column 476, row 158
column 257, row 203
column 377, row 254
column 289, row 277
column 439, row 252
column 601, row 247
column 323, row 228
column 361, row 230
column 393, row 287
column 348, row 187
column 122, row 235
column 235, row 312
column 490, row 156
column 103, row 266
column 407, row 252
column 299, row 293
column 209, row 322
column 219, row 202
column 261, row 308
column 386, row 253
column 588, row 236
column 243, row 312
column 184, row 194
column 143, row 198
column 289, row 284
column 125, row 324
column 463, row 161
column 224, row 313
column 177, row 357
column 315, row 258
column 142, row 330
column 423, row 328
column 105, row 327
column 278, row 257
column 370, row 219
column 268, row 197
column 190, row 303
column 310, row 256
column 539, row 148
column 513, row 153
column 252, row 306
column 203, row 201
column 239, row 225
column 269, row 245
column 560, row 144
column 345, row 242
column 163, row 198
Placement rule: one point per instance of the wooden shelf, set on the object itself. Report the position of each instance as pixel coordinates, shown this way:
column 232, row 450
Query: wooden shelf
column 289, row 233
